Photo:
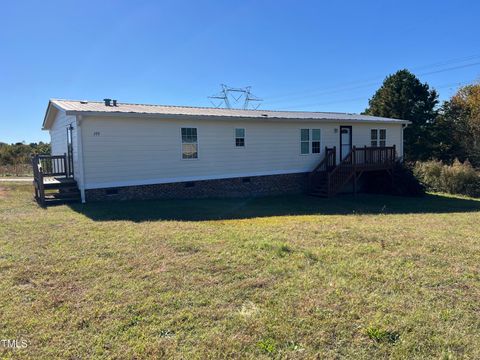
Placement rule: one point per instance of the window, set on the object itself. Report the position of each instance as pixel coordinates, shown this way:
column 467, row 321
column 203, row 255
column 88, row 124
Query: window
column 309, row 141
column 383, row 137
column 304, row 141
column 374, row 137
column 378, row 137
column 240, row 137
column 315, row 141
column 189, row 143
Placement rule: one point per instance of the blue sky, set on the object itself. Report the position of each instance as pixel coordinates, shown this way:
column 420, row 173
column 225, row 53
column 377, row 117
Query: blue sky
column 296, row 55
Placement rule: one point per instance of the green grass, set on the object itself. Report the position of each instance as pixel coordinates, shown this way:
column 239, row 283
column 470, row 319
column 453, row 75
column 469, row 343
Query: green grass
column 285, row 277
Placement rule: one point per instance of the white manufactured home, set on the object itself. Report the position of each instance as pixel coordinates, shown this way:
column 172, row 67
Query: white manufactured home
column 112, row 150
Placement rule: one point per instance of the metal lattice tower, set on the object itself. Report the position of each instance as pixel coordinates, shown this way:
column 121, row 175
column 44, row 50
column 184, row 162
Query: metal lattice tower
column 227, row 94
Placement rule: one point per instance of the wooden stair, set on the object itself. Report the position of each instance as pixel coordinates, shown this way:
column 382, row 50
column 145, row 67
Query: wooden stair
column 53, row 180
column 61, row 191
column 328, row 178
column 318, row 181
column 320, row 188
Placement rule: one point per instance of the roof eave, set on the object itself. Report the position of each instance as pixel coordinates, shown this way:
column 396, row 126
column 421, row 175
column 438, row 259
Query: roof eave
column 50, row 115
column 225, row 117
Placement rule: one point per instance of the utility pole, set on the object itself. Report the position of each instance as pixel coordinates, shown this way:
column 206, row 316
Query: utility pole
column 227, row 94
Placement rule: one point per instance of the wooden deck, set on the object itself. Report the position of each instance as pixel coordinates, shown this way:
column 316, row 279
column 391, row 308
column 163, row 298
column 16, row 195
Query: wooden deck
column 53, row 180
column 329, row 178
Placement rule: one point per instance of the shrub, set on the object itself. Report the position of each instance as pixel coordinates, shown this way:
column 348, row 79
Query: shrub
column 429, row 173
column 402, row 182
column 458, row 178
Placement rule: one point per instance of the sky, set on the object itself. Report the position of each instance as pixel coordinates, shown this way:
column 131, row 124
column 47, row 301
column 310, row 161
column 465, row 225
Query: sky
column 296, row 55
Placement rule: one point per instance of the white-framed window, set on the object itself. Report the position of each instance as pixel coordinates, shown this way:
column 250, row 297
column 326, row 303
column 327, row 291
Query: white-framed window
column 383, row 137
column 378, row 137
column 304, row 141
column 315, row 141
column 310, row 141
column 240, row 137
column 189, row 143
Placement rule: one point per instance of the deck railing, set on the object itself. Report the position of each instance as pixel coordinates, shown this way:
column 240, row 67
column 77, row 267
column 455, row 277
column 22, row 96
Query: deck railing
column 327, row 164
column 371, row 157
column 55, row 165
column 360, row 159
column 49, row 166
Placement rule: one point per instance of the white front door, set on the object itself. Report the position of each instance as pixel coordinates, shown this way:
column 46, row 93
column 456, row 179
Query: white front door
column 345, row 141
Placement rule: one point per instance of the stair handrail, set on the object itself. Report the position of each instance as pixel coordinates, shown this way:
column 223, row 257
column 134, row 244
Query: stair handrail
column 329, row 157
column 38, row 179
column 347, row 160
column 327, row 162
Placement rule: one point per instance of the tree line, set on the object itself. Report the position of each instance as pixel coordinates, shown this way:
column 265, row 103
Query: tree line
column 20, row 153
column 445, row 132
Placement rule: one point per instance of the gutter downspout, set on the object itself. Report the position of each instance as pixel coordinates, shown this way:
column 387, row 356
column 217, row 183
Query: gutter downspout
column 404, row 126
column 81, row 161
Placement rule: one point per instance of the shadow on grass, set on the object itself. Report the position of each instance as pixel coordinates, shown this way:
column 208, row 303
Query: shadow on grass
column 241, row 208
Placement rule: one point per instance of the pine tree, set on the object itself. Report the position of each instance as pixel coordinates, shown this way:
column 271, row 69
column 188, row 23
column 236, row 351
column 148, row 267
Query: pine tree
column 403, row 96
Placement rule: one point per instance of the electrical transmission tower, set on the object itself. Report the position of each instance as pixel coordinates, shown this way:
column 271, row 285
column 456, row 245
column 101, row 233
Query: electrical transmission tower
column 227, row 94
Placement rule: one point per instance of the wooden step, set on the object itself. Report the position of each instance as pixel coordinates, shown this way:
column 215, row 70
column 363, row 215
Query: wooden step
column 50, row 202
column 57, row 198
column 57, row 183
column 63, row 195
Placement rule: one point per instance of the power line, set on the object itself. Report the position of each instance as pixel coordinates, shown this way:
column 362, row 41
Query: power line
column 458, row 84
column 449, row 69
column 374, row 81
column 379, row 82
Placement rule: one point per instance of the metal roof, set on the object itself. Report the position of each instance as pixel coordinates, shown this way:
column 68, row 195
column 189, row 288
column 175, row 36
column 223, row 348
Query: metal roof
column 87, row 107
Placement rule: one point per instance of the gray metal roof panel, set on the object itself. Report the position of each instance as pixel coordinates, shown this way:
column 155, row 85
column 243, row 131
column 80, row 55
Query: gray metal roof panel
column 78, row 106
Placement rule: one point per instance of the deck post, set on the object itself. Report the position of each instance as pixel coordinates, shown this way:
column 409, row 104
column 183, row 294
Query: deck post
column 354, row 182
column 65, row 165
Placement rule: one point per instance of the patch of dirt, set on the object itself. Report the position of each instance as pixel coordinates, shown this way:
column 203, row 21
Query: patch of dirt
column 3, row 193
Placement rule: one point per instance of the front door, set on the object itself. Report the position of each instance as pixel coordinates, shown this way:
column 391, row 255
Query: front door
column 345, row 141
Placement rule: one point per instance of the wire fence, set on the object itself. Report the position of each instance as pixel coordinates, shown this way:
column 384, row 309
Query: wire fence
column 16, row 170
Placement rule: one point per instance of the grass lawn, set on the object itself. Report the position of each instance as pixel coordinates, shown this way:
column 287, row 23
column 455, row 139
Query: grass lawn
column 284, row 277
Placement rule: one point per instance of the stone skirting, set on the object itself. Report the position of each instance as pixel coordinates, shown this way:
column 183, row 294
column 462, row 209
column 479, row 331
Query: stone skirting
column 235, row 187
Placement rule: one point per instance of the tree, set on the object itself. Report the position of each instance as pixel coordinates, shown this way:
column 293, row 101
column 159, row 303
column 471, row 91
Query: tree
column 445, row 145
column 403, row 96
column 458, row 125
column 20, row 153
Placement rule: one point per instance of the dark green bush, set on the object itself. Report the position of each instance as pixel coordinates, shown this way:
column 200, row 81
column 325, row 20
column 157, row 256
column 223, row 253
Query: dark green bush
column 401, row 182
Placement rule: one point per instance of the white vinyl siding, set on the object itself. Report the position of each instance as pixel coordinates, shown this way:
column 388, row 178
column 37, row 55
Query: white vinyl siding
column 135, row 151
column 58, row 139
